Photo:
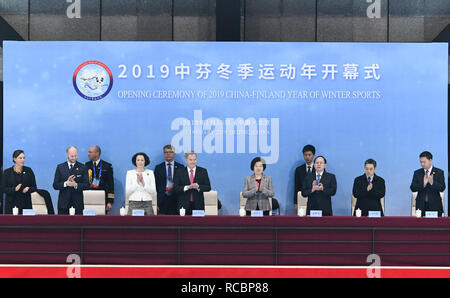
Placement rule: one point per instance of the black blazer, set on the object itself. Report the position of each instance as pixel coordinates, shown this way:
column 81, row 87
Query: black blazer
column 182, row 179
column 62, row 173
column 320, row 200
column 18, row 198
column 368, row 200
column 300, row 175
column 106, row 179
column 433, row 191
column 161, row 179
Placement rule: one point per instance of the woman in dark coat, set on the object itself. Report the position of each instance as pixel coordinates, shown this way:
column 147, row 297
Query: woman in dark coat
column 18, row 183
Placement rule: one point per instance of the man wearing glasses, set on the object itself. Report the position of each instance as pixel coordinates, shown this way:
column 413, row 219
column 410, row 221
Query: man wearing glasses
column 319, row 187
column 164, row 176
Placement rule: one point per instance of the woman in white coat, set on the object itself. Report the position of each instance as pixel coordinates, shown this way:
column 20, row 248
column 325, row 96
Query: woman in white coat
column 140, row 185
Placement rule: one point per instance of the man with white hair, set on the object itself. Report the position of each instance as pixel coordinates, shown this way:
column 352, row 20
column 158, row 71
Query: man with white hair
column 71, row 178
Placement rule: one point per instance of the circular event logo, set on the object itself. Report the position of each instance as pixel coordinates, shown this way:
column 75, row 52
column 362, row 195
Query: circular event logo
column 92, row 80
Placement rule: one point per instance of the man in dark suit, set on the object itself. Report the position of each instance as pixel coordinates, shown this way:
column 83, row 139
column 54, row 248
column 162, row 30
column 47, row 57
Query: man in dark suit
column 165, row 174
column 101, row 176
column 302, row 171
column 368, row 189
column 319, row 188
column 428, row 181
column 190, row 183
column 71, row 178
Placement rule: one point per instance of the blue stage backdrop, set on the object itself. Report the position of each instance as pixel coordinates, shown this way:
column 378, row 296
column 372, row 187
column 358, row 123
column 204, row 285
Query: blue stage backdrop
column 231, row 102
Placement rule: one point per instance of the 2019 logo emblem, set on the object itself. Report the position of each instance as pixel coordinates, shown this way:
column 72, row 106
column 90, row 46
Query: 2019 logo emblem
column 92, row 80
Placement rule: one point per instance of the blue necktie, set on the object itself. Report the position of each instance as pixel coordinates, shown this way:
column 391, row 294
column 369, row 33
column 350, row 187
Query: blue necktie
column 368, row 180
column 309, row 169
column 318, row 178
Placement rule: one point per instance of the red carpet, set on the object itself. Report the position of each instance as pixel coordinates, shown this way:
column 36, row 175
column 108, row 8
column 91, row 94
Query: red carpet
column 92, row 271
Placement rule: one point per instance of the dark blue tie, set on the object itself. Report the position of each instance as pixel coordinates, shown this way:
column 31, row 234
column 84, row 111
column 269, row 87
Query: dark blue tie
column 368, row 180
column 169, row 171
column 309, row 169
column 318, row 178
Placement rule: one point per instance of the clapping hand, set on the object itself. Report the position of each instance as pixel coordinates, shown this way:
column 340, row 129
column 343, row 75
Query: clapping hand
column 71, row 181
column 140, row 179
column 320, row 187
column 316, row 186
column 194, row 186
column 18, row 187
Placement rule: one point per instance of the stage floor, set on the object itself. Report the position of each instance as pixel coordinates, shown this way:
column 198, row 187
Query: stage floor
column 240, row 272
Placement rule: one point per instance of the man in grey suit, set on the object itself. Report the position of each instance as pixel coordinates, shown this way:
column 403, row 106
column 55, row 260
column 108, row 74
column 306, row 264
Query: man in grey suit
column 258, row 188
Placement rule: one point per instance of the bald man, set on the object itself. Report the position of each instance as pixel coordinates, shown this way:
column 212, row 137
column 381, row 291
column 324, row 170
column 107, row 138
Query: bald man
column 71, row 178
column 101, row 176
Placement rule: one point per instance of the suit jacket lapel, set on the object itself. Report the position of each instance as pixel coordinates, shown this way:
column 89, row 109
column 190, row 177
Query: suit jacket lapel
column 422, row 174
column 67, row 169
column 375, row 178
column 187, row 174
column 263, row 180
column 196, row 174
column 324, row 177
column 252, row 181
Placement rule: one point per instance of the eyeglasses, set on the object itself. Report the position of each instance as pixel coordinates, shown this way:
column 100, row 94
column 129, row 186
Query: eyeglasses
column 168, row 152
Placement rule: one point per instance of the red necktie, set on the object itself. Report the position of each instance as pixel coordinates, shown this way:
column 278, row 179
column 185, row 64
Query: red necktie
column 191, row 178
column 426, row 195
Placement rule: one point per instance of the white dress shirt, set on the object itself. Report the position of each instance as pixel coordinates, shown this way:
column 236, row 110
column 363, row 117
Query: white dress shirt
column 321, row 175
column 430, row 171
column 73, row 165
column 135, row 191
column 95, row 163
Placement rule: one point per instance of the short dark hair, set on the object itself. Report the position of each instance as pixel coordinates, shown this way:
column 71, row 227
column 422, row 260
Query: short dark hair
column 324, row 159
column 147, row 159
column 371, row 161
column 309, row 148
column 169, row 147
column 255, row 160
column 16, row 153
column 426, row 154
